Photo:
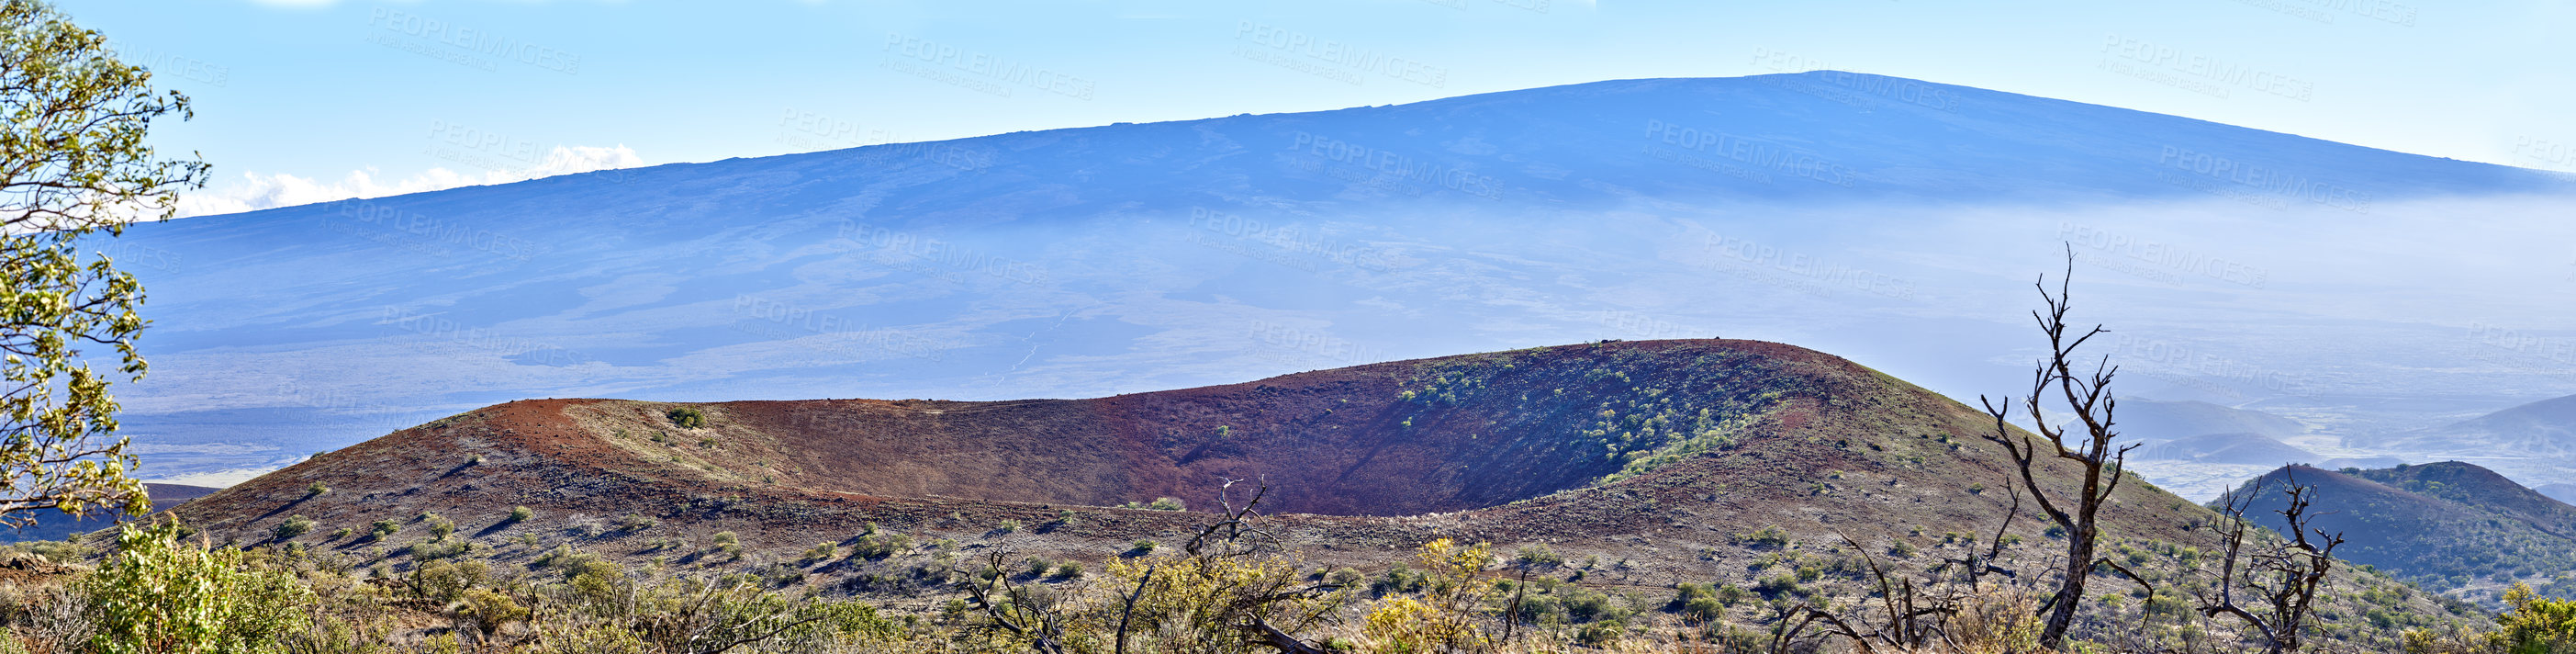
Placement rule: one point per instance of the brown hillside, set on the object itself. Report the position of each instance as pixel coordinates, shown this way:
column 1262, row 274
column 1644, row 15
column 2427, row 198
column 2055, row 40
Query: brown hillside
column 1772, row 423
column 1650, row 457
column 2450, row 526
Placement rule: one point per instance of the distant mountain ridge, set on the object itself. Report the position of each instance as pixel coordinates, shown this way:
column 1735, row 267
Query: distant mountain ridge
column 56, row 525
column 1163, row 255
column 2234, row 449
column 2160, row 420
column 2449, row 526
column 2543, row 428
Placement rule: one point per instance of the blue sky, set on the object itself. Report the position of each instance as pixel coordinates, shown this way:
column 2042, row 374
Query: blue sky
column 315, row 99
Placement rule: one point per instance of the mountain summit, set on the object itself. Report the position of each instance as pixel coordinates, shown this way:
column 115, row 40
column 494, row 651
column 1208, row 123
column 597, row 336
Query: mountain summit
column 1162, row 255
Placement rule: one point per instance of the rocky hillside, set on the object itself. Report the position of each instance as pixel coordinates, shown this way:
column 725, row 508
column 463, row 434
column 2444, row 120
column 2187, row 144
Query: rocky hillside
column 2449, row 526
column 1650, row 462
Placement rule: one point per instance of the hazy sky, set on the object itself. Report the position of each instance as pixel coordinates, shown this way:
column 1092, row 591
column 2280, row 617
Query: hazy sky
column 309, row 100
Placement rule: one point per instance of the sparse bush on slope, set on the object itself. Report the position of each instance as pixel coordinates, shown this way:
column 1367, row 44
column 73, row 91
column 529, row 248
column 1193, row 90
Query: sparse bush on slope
column 159, row 595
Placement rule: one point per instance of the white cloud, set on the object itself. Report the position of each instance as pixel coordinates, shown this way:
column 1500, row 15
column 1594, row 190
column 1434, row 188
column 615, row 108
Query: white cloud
column 256, row 191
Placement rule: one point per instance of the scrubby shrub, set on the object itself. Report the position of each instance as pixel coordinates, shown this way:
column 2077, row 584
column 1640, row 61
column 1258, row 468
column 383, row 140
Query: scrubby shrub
column 575, row 563
column 1697, row 602
column 635, row 522
column 490, row 610
column 1008, row 526
column 876, row 546
column 439, row 526
column 1067, row 570
column 316, row 490
column 293, row 526
column 520, row 514
column 1587, row 605
column 444, row 582
column 1772, row 537
column 385, row 528
column 687, row 417
column 1159, row 504
column 432, row 550
column 1777, row 586
column 1141, row 547
column 821, row 552
column 728, row 544
column 158, row 594
column 1601, row 634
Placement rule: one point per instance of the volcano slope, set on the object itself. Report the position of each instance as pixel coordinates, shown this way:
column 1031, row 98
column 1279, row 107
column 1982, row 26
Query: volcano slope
column 1644, row 463
column 2448, row 526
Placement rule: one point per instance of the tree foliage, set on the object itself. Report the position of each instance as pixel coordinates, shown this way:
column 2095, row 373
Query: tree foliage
column 161, row 595
column 72, row 162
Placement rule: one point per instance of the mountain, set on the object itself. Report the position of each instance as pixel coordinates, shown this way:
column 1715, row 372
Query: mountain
column 2545, row 428
column 1640, row 462
column 56, row 525
column 2157, row 420
column 1888, row 218
column 2448, row 526
column 2234, row 449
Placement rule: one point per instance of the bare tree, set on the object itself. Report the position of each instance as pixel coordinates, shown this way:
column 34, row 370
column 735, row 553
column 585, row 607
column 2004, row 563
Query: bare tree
column 1019, row 609
column 1533, row 558
column 1916, row 618
column 1973, row 565
column 2283, row 573
column 1228, row 583
column 2089, row 398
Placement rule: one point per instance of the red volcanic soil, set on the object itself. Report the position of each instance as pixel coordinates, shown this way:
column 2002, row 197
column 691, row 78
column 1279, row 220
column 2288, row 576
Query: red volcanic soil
column 1643, row 463
column 1343, row 441
column 1715, row 438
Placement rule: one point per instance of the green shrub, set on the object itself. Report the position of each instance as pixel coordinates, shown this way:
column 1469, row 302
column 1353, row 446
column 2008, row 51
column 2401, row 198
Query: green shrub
column 635, row 522
column 520, row 514
column 158, row 594
column 728, row 544
column 316, row 490
column 384, row 528
column 445, row 582
column 1141, row 547
column 490, row 610
column 1601, row 634
column 1008, row 527
column 1698, row 603
column 440, row 526
column 1159, row 504
column 293, row 527
column 687, row 417
column 821, row 552
column 430, row 550
column 575, row 563
column 1772, row 537
column 877, row 546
